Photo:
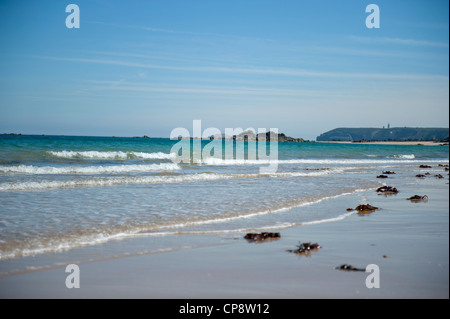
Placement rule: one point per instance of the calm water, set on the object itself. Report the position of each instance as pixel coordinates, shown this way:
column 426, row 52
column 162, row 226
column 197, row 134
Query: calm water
column 59, row 193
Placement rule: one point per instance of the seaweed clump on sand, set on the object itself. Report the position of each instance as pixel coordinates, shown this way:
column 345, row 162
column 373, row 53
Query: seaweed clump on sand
column 304, row 249
column 346, row 267
column 364, row 209
column 387, row 190
column 418, row 198
column 254, row 237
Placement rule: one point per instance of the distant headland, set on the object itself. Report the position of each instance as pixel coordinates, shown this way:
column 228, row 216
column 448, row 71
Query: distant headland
column 396, row 134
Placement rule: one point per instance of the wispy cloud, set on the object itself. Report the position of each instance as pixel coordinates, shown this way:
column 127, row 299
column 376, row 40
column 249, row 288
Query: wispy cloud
column 196, row 89
column 175, row 32
column 254, row 70
column 411, row 42
column 164, row 56
column 345, row 51
column 129, row 26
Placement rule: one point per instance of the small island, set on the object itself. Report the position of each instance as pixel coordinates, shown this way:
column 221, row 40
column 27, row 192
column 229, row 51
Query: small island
column 13, row 134
column 249, row 135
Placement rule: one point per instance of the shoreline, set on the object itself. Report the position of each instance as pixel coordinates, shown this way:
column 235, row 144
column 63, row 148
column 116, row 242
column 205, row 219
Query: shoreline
column 424, row 143
column 408, row 241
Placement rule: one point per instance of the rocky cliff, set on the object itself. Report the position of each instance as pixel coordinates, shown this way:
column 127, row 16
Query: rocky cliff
column 385, row 134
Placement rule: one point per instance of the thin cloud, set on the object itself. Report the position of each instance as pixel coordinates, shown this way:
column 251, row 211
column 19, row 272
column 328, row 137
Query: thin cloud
column 255, row 70
column 152, row 29
column 163, row 56
column 401, row 41
column 129, row 26
column 239, row 90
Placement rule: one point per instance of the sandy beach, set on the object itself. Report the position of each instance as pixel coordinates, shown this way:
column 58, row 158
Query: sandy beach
column 409, row 242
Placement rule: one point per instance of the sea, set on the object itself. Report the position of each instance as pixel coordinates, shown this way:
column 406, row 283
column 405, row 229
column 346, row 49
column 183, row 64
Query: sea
column 60, row 194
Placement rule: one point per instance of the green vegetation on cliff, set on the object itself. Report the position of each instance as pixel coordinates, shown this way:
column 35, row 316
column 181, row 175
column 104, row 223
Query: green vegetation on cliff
column 385, row 134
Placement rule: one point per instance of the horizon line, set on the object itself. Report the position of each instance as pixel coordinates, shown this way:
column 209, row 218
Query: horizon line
column 161, row 137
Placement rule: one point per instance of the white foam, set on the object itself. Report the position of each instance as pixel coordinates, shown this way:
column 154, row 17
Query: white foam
column 405, row 156
column 305, row 174
column 111, row 155
column 110, row 181
column 398, row 160
column 328, row 220
column 30, row 169
column 88, row 240
column 43, row 184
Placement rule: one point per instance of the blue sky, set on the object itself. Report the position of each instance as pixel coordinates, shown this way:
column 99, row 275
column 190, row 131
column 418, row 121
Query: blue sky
column 147, row 67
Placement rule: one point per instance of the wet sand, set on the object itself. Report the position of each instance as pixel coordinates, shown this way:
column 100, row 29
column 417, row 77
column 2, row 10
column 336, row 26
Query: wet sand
column 408, row 241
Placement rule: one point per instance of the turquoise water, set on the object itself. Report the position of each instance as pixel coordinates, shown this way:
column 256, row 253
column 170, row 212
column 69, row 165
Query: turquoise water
column 59, row 193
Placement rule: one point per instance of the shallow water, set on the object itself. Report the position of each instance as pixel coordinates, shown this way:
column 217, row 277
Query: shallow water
column 60, row 193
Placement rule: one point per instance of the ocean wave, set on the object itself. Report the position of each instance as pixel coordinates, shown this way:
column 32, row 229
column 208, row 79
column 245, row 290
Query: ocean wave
column 50, row 170
column 403, row 156
column 373, row 155
column 301, row 203
column 111, row 181
column 50, row 184
column 229, row 162
column 110, row 155
column 400, row 156
column 94, row 237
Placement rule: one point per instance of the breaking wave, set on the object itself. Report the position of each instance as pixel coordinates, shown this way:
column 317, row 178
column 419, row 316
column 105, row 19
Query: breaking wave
column 396, row 160
column 120, row 180
column 50, row 170
column 110, row 155
column 404, row 156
